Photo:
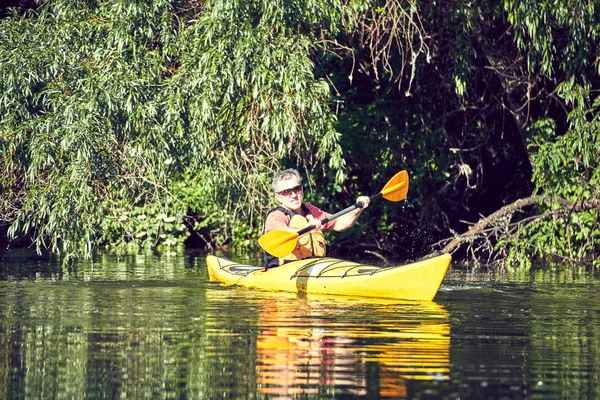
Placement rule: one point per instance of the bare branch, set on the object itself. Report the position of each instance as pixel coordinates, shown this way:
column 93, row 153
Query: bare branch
column 497, row 224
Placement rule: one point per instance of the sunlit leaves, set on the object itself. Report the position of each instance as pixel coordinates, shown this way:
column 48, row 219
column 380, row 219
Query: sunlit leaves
column 81, row 94
column 106, row 105
column 566, row 167
column 555, row 34
column 250, row 97
column 117, row 108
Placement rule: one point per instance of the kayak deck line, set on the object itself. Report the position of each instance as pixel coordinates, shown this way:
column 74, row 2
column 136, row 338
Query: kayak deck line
column 236, row 268
column 243, row 269
column 361, row 269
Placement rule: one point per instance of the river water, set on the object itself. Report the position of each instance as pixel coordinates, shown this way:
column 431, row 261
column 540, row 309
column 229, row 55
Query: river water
column 151, row 326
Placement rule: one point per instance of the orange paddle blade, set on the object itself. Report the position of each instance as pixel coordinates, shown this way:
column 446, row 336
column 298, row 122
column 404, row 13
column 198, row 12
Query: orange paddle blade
column 278, row 243
column 397, row 187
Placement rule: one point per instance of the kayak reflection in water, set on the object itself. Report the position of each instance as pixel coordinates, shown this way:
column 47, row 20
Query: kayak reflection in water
column 348, row 347
column 292, row 214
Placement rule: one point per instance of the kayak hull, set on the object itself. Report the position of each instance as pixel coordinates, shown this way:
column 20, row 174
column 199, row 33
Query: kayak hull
column 417, row 281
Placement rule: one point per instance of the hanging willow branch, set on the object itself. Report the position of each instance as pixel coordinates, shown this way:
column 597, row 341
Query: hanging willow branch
column 392, row 28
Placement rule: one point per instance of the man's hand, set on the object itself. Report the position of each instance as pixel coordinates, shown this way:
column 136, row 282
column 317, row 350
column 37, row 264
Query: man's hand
column 364, row 200
column 315, row 222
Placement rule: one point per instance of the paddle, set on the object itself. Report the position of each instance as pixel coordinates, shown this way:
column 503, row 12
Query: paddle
column 280, row 243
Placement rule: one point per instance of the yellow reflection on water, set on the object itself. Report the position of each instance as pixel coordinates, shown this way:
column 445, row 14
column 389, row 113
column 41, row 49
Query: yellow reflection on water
column 321, row 343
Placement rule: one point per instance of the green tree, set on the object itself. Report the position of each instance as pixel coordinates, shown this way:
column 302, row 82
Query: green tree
column 111, row 110
column 524, row 83
column 134, row 122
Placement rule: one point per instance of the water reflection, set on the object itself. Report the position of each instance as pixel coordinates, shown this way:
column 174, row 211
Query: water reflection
column 337, row 345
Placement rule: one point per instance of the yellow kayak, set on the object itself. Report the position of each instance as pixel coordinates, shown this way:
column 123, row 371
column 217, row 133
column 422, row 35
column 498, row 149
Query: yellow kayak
column 417, row 281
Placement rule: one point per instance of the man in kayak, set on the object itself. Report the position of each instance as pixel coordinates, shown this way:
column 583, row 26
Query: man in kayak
column 292, row 214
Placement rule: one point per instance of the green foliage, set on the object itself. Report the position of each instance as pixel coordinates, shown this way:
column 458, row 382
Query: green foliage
column 79, row 87
column 105, row 106
column 246, row 98
column 246, row 95
column 213, row 221
column 564, row 168
column 550, row 34
column 180, row 112
column 526, row 89
column 146, row 227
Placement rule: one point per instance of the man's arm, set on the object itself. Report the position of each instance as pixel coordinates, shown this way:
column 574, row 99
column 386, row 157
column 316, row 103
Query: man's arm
column 277, row 221
column 347, row 220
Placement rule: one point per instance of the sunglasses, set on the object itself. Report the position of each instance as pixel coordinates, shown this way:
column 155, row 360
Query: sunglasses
column 288, row 192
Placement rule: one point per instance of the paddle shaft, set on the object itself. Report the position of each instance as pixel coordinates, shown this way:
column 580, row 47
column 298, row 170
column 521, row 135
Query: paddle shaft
column 338, row 214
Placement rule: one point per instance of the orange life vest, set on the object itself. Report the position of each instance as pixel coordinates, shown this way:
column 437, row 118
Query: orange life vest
column 310, row 245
